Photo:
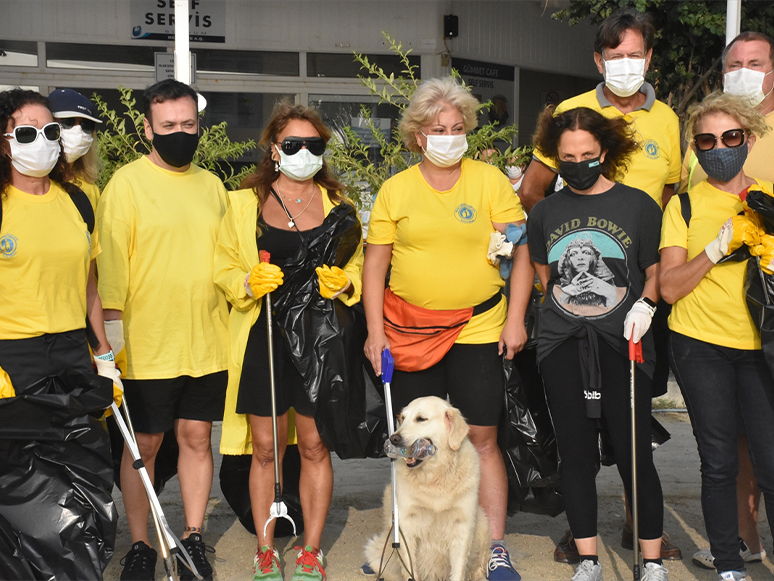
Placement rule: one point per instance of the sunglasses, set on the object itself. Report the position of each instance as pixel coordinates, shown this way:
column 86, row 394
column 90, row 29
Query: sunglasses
column 28, row 133
column 292, row 145
column 87, row 125
column 730, row 138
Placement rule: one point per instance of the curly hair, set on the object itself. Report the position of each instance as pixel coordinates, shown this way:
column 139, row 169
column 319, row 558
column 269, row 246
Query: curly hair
column 427, row 102
column 10, row 102
column 615, row 136
column 265, row 173
column 733, row 106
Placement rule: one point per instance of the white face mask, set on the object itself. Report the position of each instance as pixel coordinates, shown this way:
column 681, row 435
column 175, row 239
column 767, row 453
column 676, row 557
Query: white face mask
column 513, row 171
column 76, row 142
column 35, row 159
column 746, row 83
column 624, row 77
column 445, row 150
column 301, row 165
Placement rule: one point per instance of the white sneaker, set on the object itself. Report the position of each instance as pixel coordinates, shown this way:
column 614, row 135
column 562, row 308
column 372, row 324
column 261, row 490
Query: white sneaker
column 705, row 559
column 588, row 571
column 734, row 576
column 655, row 572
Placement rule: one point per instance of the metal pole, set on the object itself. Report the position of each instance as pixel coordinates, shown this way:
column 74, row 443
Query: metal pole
column 733, row 19
column 182, row 54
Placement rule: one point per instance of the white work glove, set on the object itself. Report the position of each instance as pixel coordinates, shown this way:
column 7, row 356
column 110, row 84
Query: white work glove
column 115, row 335
column 718, row 248
column 499, row 247
column 107, row 368
column 638, row 320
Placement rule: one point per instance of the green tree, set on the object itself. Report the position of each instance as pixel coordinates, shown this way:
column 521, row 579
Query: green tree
column 351, row 157
column 690, row 37
column 123, row 141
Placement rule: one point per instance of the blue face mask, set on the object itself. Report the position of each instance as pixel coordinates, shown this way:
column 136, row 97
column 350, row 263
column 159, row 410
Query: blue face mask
column 723, row 164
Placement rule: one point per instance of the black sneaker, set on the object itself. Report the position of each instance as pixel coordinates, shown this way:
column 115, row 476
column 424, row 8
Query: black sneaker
column 197, row 550
column 139, row 563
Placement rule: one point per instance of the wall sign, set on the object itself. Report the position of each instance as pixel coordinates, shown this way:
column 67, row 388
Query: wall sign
column 155, row 20
column 489, row 81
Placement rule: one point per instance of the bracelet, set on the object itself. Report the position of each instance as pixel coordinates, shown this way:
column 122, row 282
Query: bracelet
column 106, row 357
column 651, row 306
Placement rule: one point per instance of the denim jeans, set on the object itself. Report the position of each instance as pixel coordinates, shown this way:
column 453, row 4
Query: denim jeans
column 714, row 380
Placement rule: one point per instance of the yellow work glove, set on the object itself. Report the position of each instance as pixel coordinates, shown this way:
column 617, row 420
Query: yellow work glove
column 745, row 230
column 263, row 278
column 766, row 252
column 6, row 389
column 333, row 281
column 107, row 368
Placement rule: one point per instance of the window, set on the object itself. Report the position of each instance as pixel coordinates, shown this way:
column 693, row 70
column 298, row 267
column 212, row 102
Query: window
column 18, row 53
column 247, row 62
column 344, row 65
column 105, row 57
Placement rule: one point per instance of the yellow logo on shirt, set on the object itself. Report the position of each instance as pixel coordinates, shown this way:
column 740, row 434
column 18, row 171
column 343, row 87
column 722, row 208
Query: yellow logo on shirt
column 465, row 213
column 8, row 245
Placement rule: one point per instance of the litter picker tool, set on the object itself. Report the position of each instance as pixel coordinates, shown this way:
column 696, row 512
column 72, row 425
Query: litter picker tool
column 278, row 508
column 635, row 356
column 171, row 548
column 388, row 366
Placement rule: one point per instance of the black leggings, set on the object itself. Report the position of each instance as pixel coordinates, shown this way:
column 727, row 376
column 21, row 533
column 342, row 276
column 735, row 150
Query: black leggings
column 576, row 436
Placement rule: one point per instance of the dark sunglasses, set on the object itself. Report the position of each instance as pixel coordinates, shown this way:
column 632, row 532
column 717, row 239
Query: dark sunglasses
column 87, row 125
column 28, row 133
column 292, row 145
column 730, row 138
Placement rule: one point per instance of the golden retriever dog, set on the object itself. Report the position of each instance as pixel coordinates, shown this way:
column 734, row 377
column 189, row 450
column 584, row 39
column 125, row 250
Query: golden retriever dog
column 444, row 530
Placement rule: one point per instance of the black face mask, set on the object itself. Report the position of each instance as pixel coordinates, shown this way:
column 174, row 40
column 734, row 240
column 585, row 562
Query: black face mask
column 177, row 149
column 580, row 175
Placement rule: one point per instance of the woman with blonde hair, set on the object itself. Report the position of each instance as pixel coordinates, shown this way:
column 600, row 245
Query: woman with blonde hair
column 78, row 118
column 432, row 224
column 290, row 207
column 715, row 346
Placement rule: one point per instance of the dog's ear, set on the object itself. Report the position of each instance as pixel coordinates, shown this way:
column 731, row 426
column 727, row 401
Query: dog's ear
column 456, row 427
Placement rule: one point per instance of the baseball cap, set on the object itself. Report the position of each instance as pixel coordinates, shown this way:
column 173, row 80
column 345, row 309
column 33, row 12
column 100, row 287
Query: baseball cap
column 66, row 103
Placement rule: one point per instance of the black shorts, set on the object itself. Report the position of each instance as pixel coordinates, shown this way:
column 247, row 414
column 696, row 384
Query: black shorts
column 472, row 377
column 255, row 384
column 29, row 360
column 155, row 404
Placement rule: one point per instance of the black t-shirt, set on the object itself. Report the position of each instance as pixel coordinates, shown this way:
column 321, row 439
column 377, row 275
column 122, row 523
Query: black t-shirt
column 598, row 247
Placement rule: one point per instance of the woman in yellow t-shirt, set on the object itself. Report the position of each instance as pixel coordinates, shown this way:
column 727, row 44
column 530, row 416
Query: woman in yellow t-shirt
column 715, row 348
column 78, row 118
column 46, row 252
column 432, row 223
column 292, row 208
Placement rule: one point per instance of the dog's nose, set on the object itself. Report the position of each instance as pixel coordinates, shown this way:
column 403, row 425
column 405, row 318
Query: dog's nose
column 396, row 440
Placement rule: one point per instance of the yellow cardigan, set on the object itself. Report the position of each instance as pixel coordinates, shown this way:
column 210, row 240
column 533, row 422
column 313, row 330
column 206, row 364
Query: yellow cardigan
column 236, row 253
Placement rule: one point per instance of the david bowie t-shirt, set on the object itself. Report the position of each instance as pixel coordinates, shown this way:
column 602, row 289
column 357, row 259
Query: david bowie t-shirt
column 598, row 247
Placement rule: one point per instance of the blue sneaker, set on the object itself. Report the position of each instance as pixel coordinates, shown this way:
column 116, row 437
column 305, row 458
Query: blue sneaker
column 500, row 567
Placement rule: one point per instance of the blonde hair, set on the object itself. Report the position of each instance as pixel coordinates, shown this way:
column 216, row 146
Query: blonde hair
column 432, row 97
column 733, row 106
column 86, row 167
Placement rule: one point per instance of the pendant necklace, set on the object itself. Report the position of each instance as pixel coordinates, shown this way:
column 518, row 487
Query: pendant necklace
column 291, row 219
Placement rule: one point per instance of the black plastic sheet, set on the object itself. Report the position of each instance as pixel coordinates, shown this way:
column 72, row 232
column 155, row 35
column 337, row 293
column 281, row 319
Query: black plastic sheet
column 57, row 517
column 527, row 441
column 759, row 293
column 325, row 339
column 763, row 204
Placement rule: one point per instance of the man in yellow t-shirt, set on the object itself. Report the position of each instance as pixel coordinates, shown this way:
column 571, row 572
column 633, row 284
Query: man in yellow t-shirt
column 622, row 51
column 751, row 54
column 159, row 219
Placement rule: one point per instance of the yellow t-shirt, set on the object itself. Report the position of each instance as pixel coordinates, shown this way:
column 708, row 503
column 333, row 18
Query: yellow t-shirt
column 758, row 165
column 159, row 230
column 45, row 252
column 440, row 240
column 715, row 311
column 657, row 161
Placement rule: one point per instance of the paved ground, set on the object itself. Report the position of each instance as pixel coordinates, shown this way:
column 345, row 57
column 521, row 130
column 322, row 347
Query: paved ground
column 355, row 516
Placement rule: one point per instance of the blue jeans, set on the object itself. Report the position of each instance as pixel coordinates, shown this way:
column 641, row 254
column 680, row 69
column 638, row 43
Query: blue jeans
column 715, row 380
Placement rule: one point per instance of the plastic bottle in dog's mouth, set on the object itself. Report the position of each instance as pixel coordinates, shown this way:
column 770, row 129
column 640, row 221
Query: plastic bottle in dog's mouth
column 414, row 454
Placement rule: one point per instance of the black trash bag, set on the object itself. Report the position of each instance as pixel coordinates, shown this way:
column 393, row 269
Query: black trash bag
column 658, row 435
column 325, row 339
column 763, row 204
column 165, row 466
column 57, row 517
column 235, row 484
column 759, row 294
column 527, row 441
